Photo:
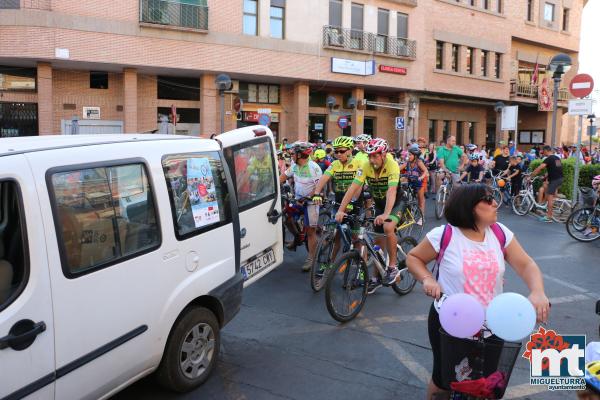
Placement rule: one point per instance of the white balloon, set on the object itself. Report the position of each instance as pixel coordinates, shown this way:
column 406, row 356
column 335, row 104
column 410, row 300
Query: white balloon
column 511, row 317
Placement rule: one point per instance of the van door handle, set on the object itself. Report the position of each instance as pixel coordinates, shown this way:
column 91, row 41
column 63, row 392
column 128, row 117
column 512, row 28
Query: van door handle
column 22, row 334
column 274, row 216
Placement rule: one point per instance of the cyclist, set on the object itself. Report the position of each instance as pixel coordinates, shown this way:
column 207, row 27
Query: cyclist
column 361, row 143
column 417, row 174
column 474, row 172
column 382, row 174
column 451, row 160
column 319, row 158
column 342, row 172
column 554, row 167
column 306, row 174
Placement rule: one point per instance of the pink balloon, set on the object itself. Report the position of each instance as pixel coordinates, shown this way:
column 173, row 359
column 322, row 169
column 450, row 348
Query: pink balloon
column 461, row 315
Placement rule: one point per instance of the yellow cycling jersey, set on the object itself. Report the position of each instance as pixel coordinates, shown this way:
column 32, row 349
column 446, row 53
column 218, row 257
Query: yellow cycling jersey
column 379, row 181
column 343, row 175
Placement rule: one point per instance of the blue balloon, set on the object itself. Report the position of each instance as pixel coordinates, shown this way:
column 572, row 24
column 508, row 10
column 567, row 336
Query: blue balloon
column 510, row 316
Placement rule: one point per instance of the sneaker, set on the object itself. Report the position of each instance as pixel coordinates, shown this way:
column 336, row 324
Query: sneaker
column 545, row 219
column 374, row 284
column 392, row 275
column 307, row 265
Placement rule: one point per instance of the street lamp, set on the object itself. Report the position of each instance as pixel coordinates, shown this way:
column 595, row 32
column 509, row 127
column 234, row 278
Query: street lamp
column 559, row 65
column 223, row 83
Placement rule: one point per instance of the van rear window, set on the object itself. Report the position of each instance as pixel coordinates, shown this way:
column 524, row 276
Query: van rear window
column 104, row 215
column 198, row 192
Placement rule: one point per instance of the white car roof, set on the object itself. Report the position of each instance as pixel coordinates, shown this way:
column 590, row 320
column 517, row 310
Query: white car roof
column 27, row 144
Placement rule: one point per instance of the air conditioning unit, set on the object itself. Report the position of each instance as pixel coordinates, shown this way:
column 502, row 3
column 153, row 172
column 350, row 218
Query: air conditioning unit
column 235, row 87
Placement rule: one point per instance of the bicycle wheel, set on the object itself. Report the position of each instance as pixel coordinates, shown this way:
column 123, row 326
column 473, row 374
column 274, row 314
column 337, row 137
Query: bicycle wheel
column 324, row 218
column 521, row 204
column 497, row 194
column 440, row 202
column 561, row 209
column 322, row 263
column 416, row 229
column 407, row 281
column 583, row 224
column 346, row 287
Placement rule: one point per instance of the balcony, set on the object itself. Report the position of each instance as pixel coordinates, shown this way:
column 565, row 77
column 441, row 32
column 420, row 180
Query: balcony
column 367, row 42
column 174, row 14
column 526, row 89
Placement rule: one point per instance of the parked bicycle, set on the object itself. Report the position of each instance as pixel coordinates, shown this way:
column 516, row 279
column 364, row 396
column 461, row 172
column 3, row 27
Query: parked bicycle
column 525, row 202
column 584, row 223
column 346, row 285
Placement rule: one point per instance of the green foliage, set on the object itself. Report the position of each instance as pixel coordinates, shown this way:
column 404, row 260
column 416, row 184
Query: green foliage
column 586, row 173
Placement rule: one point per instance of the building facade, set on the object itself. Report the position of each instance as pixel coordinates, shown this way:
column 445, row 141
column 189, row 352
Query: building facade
column 312, row 66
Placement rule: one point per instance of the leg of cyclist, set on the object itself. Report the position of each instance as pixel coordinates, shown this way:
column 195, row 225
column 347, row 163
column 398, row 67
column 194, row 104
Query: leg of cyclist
column 311, row 221
column 542, row 192
column 421, row 195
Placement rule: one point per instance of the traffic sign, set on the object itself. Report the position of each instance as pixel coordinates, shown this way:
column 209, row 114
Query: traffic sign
column 264, row 119
column 592, row 130
column 342, row 122
column 581, row 85
column 580, row 107
column 399, row 123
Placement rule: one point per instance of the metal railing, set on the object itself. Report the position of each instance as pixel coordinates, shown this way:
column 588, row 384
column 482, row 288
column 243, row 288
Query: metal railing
column 174, row 13
column 367, row 42
column 526, row 89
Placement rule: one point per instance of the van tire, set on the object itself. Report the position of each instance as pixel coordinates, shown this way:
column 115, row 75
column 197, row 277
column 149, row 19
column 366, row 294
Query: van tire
column 190, row 330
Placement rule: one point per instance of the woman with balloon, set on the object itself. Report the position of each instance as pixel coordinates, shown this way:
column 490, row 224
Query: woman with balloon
column 470, row 253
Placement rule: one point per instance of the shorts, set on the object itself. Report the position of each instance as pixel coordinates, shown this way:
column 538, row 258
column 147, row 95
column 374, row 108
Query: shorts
column 311, row 215
column 553, row 186
column 395, row 215
column 433, row 329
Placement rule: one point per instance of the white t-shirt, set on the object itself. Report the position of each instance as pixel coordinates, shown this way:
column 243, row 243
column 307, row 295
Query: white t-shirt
column 305, row 178
column 476, row 268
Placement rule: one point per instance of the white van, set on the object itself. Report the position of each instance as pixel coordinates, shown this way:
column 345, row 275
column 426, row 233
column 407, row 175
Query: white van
column 123, row 255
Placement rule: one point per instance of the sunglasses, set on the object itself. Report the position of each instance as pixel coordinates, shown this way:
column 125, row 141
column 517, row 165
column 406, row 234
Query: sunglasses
column 488, row 198
column 340, row 151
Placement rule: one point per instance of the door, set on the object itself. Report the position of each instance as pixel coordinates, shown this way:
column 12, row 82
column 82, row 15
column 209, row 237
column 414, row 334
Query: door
column 27, row 362
column 318, row 127
column 18, row 119
column 251, row 158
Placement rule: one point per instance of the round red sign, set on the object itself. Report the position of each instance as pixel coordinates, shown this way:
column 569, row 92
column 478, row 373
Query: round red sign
column 581, row 85
column 342, row 122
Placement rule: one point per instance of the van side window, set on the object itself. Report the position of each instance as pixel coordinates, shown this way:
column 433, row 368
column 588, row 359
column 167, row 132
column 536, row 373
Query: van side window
column 103, row 215
column 254, row 172
column 198, row 192
column 13, row 250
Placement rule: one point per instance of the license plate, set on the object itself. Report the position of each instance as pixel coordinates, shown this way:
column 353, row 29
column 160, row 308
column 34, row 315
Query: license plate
column 261, row 262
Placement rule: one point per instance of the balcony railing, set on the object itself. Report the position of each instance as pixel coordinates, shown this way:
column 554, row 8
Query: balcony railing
column 174, row 13
column 526, row 89
column 367, row 42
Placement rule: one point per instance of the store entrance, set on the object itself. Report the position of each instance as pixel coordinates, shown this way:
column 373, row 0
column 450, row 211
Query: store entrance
column 18, row 119
column 490, row 136
column 369, row 127
column 317, row 128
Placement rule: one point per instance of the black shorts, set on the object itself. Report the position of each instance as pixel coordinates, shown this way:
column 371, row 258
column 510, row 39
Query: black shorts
column 553, row 186
column 492, row 355
column 396, row 213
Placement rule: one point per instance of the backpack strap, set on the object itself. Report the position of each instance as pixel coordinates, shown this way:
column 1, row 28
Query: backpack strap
column 444, row 242
column 501, row 236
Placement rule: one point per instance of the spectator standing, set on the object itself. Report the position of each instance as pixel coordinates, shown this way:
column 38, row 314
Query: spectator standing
column 553, row 165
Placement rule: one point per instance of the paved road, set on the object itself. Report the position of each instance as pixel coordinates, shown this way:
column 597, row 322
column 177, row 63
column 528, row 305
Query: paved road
column 284, row 345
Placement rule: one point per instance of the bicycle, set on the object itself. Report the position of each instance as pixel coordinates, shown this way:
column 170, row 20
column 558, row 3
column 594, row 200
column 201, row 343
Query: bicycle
column 442, row 194
column 294, row 209
column 583, row 224
column 525, row 202
column 497, row 190
column 323, row 261
column 351, row 275
column 412, row 219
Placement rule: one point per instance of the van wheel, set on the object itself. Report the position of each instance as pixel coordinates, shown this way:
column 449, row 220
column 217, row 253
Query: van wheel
column 191, row 352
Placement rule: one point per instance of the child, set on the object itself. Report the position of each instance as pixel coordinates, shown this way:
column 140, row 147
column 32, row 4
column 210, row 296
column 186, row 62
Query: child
column 515, row 174
column 474, row 172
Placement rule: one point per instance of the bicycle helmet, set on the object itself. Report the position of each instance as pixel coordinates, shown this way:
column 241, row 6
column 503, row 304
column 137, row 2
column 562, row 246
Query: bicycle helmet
column 592, row 375
column 377, row 146
column 363, row 138
column 343, row 141
column 473, row 157
column 415, row 151
column 471, row 147
column 320, row 154
column 302, row 148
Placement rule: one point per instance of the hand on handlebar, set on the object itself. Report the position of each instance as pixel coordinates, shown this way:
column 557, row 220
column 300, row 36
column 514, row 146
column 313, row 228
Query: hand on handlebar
column 317, row 199
column 339, row 217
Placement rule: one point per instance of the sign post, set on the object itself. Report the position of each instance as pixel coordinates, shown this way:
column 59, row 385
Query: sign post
column 581, row 86
column 509, row 120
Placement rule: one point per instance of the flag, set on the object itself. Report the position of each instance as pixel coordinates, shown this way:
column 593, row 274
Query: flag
column 544, row 96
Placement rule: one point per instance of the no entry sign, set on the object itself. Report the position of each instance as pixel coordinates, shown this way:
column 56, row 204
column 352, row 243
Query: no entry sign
column 581, row 85
column 342, row 122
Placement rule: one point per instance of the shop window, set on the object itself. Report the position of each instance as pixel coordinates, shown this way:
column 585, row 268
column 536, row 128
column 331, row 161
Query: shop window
column 14, row 261
column 254, row 171
column 250, row 19
column 439, row 55
column 459, row 132
column 277, row 19
column 184, row 115
column 104, row 215
column 172, row 88
column 17, row 79
column 259, row 93
column 198, row 192
column 98, row 80
column 317, row 99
